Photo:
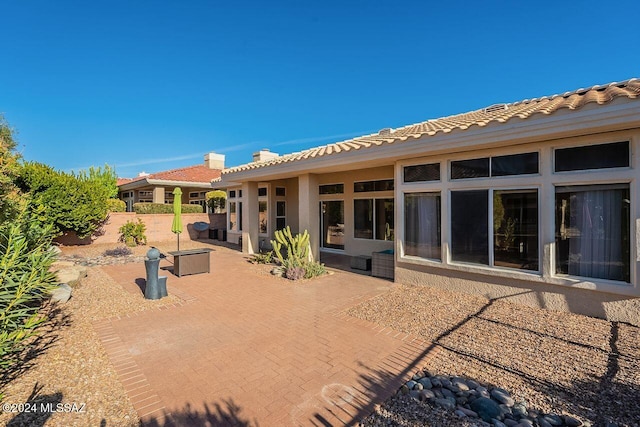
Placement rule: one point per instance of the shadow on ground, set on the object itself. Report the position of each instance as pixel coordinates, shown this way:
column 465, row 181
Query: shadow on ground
column 613, row 396
column 47, row 336
column 224, row 414
column 37, row 409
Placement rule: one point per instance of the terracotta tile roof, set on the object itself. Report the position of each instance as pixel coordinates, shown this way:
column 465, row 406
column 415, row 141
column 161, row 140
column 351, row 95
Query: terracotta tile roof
column 500, row 113
column 197, row 173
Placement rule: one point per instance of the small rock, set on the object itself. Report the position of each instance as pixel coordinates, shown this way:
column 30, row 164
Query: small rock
column 426, row 382
column 502, row 396
column 553, row 419
column 468, row 412
column 504, row 409
column 485, row 408
column 448, row 393
column 519, row 410
column 543, row 423
column 571, row 421
column 411, row 384
column 404, row 389
column 436, row 382
column 438, row 393
column 460, row 384
column 414, row 394
column 62, row 293
column 445, row 383
column 427, row 395
column 445, row 403
column 510, row 423
column 418, row 386
column 417, row 375
column 460, row 414
column 472, row 384
column 525, row 422
column 498, row 423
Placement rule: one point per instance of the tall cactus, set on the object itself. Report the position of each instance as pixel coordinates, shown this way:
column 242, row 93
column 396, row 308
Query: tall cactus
column 297, row 247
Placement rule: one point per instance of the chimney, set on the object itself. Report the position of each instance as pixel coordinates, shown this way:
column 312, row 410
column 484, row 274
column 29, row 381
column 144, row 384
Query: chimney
column 264, row 155
column 214, row 161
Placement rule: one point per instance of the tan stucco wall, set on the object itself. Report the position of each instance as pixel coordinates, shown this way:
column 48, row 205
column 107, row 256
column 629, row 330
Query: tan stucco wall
column 553, row 297
column 158, row 227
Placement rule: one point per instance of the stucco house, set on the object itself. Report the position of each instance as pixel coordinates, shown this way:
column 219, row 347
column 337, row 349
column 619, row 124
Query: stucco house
column 194, row 181
column 535, row 201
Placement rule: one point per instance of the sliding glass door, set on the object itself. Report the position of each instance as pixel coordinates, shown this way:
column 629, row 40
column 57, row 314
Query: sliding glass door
column 332, row 224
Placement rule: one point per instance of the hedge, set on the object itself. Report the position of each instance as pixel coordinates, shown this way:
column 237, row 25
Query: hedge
column 161, row 208
column 116, row 205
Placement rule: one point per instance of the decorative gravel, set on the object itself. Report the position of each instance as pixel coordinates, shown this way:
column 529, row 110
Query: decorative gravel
column 558, row 363
column 74, row 369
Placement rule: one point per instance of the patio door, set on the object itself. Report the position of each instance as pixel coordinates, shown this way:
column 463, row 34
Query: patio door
column 332, row 224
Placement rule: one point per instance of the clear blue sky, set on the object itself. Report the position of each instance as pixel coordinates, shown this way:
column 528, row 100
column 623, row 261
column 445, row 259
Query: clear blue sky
column 154, row 85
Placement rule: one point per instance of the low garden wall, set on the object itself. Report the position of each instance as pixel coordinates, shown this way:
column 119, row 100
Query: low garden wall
column 158, row 227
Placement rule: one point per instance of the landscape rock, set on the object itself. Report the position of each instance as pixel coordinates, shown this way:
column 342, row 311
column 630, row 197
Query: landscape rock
column 502, row 396
column 62, row 293
column 485, row 408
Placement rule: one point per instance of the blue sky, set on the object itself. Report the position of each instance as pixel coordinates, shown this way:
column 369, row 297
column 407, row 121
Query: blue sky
column 154, row 85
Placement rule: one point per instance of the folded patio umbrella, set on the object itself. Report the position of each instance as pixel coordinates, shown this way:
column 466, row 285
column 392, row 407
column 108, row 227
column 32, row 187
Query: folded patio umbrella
column 176, row 226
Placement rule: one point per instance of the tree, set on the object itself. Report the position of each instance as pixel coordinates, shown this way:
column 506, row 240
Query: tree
column 216, row 200
column 9, row 169
column 103, row 177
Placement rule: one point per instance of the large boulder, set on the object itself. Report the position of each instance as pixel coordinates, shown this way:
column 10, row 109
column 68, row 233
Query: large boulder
column 71, row 275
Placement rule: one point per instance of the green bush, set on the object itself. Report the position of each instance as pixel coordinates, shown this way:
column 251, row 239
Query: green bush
column 217, row 200
column 116, row 205
column 314, row 269
column 132, row 233
column 262, row 258
column 64, row 201
column 25, row 283
column 161, row 208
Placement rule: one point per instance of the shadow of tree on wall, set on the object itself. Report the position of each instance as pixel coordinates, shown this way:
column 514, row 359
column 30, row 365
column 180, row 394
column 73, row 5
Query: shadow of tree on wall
column 38, row 409
column 610, row 394
column 224, row 414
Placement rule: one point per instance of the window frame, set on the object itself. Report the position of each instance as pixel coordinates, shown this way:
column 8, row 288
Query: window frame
column 373, row 217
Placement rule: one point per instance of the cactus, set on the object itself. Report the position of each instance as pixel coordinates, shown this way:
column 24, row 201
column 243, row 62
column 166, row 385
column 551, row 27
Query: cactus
column 297, row 247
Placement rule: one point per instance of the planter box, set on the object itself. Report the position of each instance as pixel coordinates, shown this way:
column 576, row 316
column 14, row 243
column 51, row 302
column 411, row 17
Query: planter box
column 192, row 261
column 382, row 264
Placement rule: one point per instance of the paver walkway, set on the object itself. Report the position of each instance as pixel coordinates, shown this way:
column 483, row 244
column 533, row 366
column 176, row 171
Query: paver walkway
column 245, row 348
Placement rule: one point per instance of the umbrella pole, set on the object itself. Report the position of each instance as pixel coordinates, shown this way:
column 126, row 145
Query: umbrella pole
column 178, row 234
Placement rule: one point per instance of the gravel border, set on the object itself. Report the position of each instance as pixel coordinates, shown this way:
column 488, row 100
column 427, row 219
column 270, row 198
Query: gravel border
column 558, row 362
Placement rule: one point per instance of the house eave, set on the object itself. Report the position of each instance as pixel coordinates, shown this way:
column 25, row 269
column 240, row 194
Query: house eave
column 592, row 119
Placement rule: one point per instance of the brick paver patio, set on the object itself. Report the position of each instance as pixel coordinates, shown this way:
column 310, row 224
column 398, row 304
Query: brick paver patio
column 244, row 348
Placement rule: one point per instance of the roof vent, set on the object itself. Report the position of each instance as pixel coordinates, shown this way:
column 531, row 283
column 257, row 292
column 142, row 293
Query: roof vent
column 495, row 107
column 385, row 131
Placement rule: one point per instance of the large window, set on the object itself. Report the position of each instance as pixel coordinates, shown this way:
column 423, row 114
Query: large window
column 373, row 219
column 469, row 226
column 233, row 217
column 514, row 227
column 422, row 225
column 593, row 231
column 332, row 224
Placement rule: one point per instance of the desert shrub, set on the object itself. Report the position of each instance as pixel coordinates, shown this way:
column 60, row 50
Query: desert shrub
column 294, row 273
column 119, row 251
column 262, row 258
column 296, row 247
column 314, row 269
column 64, row 201
column 25, row 283
column 132, row 233
column 116, row 205
column 161, row 208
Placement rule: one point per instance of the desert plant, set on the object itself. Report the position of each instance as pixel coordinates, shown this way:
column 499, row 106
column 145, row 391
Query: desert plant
column 314, row 269
column 132, row 233
column 25, row 283
column 295, row 273
column 119, row 251
column 297, row 247
column 262, row 258
column 116, row 205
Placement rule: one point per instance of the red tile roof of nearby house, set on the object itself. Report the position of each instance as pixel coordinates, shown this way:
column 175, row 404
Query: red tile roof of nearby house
column 197, row 173
column 500, row 113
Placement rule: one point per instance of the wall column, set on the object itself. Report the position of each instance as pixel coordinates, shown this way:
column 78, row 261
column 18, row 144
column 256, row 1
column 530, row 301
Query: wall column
column 308, row 211
column 250, row 218
column 158, row 195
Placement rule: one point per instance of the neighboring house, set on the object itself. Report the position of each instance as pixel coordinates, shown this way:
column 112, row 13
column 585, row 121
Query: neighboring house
column 194, row 181
column 535, row 201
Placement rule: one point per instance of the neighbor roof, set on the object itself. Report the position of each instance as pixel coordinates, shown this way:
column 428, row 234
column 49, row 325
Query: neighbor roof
column 499, row 113
column 199, row 174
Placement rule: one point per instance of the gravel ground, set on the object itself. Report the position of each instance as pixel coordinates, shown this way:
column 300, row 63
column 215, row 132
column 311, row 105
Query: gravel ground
column 558, row 362
column 74, row 368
